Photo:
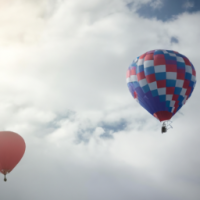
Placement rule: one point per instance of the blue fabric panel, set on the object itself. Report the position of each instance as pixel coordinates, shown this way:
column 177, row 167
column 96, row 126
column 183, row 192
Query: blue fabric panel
column 179, row 103
column 140, row 69
column 179, row 107
column 170, row 109
column 134, row 64
column 163, row 106
column 162, row 98
column 169, row 51
column 131, row 89
column 139, row 91
column 158, row 103
column 149, row 70
column 180, row 98
column 160, row 76
column 145, row 105
column 170, row 83
column 191, row 84
column 130, row 86
column 158, row 52
column 167, row 104
column 150, row 99
column 154, row 93
column 180, row 65
column 188, row 76
column 177, row 90
column 145, row 88
column 168, row 57
column 136, row 85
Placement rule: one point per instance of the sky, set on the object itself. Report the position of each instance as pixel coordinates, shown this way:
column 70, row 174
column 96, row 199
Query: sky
column 63, row 88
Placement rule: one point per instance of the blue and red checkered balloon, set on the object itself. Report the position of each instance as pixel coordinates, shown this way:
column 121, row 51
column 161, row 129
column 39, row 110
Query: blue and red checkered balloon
column 161, row 81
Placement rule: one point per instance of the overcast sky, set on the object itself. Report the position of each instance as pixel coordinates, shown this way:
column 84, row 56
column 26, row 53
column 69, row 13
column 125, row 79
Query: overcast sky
column 63, row 88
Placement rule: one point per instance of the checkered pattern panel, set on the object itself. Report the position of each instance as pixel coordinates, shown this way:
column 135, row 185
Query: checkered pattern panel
column 161, row 80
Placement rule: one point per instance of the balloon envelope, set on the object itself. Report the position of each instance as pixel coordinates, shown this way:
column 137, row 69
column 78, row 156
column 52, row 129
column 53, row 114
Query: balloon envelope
column 161, row 81
column 12, row 148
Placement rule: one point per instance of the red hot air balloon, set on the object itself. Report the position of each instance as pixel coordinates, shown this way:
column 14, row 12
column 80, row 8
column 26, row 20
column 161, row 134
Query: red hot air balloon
column 12, row 148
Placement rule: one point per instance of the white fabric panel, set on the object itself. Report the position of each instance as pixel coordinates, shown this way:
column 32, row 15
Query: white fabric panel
column 171, row 75
column 128, row 80
column 164, row 51
column 172, row 103
column 133, row 78
column 183, row 91
column 153, row 86
column 160, row 68
column 172, row 54
column 140, row 62
column 193, row 78
column 188, row 69
column 148, row 63
column 179, row 83
column 143, row 82
column 135, row 60
column 169, row 97
column 161, row 91
column 180, row 59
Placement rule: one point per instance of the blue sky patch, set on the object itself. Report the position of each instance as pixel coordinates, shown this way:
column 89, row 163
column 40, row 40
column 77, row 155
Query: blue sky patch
column 174, row 40
column 166, row 9
column 83, row 135
column 113, row 127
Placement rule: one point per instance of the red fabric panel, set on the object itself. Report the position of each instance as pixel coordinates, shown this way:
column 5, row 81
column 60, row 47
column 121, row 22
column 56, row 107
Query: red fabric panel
column 175, row 97
column 170, row 90
column 171, row 68
column 163, row 115
column 187, row 62
column 128, row 74
column 159, row 60
column 149, row 56
column 133, row 71
column 140, row 76
column 142, row 56
column 188, row 91
column 186, row 84
column 151, row 78
column 181, row 76
column 161, row 84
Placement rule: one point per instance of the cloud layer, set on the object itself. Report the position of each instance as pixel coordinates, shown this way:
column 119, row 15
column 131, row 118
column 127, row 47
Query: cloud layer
column 62, row 83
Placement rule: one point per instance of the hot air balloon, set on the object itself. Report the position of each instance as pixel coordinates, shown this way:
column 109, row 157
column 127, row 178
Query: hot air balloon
column 161, row 81
column 12, row 148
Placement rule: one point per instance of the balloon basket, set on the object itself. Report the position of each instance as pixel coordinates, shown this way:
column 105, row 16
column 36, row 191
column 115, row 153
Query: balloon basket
column 5, row 179
column 165, row 126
